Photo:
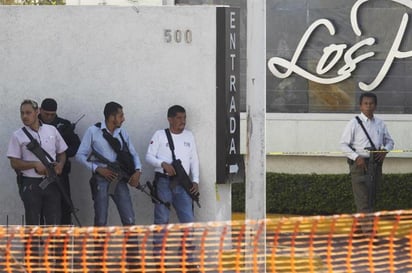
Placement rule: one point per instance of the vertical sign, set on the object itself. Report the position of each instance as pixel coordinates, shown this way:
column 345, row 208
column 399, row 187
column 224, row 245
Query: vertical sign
column 229, row 162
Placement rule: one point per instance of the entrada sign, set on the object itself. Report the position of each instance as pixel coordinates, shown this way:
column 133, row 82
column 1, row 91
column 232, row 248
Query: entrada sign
column 333, row 53
column 229, row 161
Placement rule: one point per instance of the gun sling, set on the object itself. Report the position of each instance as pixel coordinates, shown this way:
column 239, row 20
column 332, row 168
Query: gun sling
column 366, row 133
column 124, row 158
column 122, row 176
column 181, row 176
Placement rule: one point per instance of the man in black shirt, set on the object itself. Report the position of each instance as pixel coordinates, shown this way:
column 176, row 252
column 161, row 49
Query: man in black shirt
column 48, row 115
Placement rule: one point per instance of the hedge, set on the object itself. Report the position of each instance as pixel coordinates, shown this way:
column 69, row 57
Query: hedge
column 315, row 194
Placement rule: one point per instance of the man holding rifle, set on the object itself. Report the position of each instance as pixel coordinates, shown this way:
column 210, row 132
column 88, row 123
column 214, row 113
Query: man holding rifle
column 167, row 185
column 174, row 157
column 48, row 115
column 40, row 194
column 366, row 141
column 111, row 141
column 112, row 144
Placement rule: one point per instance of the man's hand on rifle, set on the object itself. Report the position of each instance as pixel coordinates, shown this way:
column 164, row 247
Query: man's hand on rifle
column 107, row 174
column 58, row 167
column 134, row 179
column 40, row 168
column 380, row 155
column 195, row 188
column 168, row 168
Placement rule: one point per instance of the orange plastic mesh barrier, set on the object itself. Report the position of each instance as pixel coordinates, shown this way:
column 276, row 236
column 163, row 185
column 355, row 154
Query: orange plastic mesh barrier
column 379, row 242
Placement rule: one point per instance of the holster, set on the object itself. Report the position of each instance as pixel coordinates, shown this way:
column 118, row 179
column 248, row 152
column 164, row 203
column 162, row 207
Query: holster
column 153, row 191
column 67, row 167
column 19, row 177
column 93, row 185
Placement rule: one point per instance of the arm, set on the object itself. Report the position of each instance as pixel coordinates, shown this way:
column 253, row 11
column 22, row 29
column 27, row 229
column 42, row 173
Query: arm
column 21, row 165
column 152, row 155
column 346, row 143
column 15, row 154
column 134, row 179
column 388, row 145
column 72, row 140
column 347, row 140
column 387, row 140
column 85, row 149
column 132, row 150
column 194, row 169
column 194, row 163
column 152, row 150
column 60, row 160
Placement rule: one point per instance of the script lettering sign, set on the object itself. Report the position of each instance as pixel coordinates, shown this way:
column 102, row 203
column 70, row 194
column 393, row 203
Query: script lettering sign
column 333, row 53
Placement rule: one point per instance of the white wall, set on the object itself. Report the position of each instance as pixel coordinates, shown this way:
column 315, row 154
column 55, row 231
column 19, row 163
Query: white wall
column 87, row 56
column 309, row 143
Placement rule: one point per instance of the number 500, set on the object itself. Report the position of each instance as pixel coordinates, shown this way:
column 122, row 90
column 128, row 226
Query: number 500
column 178, row 36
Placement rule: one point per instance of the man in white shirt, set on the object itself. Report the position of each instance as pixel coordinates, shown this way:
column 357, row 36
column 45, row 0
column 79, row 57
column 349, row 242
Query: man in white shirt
column 357, row 146
column 41, row 203
column 159, row 155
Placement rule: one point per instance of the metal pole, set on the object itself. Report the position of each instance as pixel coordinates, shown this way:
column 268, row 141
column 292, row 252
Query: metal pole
column 256, row 124
column 256, row 110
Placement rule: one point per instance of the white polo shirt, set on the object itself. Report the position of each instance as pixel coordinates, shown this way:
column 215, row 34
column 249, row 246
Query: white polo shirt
column 48, row 137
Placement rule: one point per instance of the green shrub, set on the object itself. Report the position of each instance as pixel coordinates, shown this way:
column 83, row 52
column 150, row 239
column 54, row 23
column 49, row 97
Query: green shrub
column 315, row 194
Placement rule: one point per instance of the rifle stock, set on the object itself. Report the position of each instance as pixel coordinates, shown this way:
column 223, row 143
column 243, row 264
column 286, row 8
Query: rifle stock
column 372, row 166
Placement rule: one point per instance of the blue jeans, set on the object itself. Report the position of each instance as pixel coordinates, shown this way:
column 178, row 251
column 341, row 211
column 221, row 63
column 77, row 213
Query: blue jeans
column 183, row 205
column 178, row 197
column 121, row 198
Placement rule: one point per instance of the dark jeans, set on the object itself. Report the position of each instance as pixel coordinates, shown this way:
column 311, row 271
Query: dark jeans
column 66, row 210
column 41, row 206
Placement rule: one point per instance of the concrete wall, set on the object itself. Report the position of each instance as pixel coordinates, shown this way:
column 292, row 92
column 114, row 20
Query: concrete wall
column 309, row 143
column 87, row 56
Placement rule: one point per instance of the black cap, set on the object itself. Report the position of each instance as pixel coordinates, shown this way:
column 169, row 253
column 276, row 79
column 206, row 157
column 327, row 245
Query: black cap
column 49, row 105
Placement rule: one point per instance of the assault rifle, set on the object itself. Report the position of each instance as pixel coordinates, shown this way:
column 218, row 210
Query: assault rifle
column 52, row 176
column 370, row 173
column 181, row 176
column 123, row 176
column 152, row 194
column 113, row 166
column 184, row 180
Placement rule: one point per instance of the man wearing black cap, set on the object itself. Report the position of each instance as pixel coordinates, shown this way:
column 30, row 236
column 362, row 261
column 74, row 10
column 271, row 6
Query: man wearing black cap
column 66, row 129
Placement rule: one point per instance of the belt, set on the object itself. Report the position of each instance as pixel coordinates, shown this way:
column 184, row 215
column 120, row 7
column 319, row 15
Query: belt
column 350, row 161
column 33, row 178
column 158, row 174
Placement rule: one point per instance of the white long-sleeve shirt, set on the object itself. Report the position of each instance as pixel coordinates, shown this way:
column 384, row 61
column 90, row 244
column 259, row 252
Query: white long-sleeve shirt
column 354, row 136
column 185, row 150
